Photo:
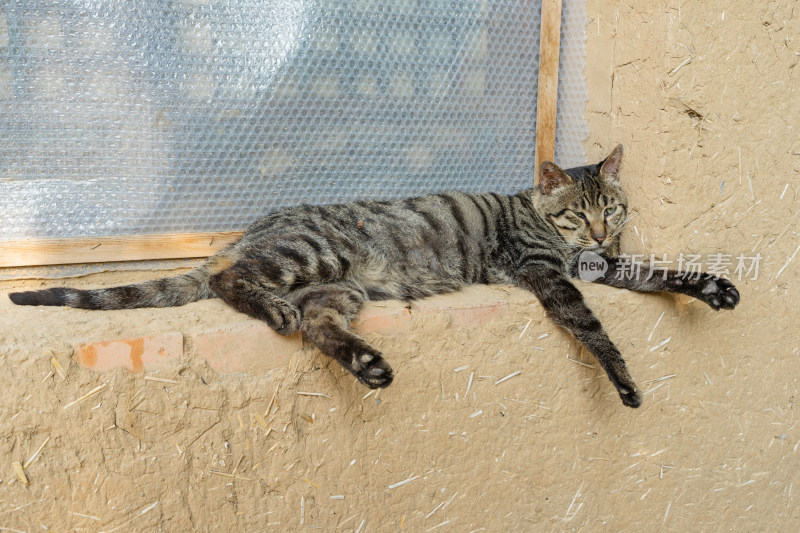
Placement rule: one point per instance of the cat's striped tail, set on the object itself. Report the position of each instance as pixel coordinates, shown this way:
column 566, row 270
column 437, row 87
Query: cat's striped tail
column 165, row 292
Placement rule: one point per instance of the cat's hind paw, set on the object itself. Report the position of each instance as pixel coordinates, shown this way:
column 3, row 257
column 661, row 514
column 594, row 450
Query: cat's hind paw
column 283, row 317
column 371, row 369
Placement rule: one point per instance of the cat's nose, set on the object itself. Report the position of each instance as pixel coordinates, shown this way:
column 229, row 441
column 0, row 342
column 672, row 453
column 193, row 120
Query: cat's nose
column 598, row 232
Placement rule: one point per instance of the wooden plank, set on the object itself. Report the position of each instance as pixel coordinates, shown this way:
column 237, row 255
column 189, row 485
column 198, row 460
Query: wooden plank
column 103, row 249
column 547, row 96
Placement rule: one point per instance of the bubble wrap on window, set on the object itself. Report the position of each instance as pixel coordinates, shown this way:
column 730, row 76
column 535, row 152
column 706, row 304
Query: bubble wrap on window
column 122, row 117
column 571, row 127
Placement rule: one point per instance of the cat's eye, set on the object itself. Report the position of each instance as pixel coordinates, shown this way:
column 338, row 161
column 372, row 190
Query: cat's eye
column 610, row 210
column 581, row 215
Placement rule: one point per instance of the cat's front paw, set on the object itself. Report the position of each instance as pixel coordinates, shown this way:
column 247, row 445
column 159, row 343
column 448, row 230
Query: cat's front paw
column 368, row 365
column 718, row 293
column 622, row 380
column 630, row 396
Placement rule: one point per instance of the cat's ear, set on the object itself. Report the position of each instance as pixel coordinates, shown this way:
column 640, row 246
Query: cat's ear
column 552, row 178
column 610, row 167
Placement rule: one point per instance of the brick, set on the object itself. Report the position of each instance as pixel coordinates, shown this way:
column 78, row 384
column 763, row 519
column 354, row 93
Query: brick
column 137, row 354
column 383, row 318
column 479, row 315
column 469, row 307
column 246, row 347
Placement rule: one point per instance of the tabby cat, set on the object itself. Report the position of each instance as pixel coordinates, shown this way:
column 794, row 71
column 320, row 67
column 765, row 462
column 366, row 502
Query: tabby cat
column 311, row 268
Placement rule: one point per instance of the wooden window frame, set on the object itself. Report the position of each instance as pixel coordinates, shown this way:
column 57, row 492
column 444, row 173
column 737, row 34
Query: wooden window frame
column 67, row 251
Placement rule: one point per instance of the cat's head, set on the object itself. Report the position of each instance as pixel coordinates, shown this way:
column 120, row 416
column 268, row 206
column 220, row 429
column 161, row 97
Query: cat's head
column 585, row 205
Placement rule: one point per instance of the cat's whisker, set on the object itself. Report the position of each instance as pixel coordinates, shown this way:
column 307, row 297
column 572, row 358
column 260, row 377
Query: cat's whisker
column 620, row 227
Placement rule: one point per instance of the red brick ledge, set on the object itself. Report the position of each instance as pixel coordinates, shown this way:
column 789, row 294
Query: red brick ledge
column 251, row 346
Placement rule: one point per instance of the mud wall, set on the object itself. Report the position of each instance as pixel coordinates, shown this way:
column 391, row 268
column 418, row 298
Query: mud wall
column 703, row 98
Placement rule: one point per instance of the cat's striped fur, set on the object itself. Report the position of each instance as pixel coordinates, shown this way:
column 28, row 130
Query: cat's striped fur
column 311, row 268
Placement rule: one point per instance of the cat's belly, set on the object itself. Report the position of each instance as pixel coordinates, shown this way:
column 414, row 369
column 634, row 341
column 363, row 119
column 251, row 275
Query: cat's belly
column 498, row 277
column 403, row 277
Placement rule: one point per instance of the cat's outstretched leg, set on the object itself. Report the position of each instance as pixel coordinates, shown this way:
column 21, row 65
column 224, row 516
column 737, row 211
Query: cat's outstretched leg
column 718, row 293
column 565, row 306
column 327, row 312
column 251, row 292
